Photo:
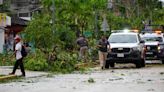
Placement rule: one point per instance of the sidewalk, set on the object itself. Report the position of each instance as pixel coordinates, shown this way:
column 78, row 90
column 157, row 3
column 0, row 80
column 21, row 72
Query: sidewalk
column 5, row 70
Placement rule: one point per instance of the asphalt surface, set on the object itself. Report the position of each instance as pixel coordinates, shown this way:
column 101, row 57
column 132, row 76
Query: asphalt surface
column 123, row 78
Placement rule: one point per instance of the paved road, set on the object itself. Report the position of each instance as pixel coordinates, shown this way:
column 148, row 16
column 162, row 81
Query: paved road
column 5, row 70
column 123, row 78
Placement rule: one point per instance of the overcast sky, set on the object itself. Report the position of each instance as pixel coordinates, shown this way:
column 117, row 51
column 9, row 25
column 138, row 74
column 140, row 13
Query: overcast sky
column 161, row 0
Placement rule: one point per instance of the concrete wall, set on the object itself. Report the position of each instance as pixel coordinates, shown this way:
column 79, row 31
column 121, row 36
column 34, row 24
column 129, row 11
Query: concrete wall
column 1, row 39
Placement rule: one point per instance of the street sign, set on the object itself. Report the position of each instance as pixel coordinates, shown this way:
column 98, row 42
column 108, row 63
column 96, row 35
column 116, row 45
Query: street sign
column 87, row 34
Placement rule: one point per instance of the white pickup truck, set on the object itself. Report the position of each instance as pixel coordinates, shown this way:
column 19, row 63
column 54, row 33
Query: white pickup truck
column 126, row 48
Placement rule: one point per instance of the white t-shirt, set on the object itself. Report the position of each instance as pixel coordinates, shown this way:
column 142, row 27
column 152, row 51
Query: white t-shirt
column 18, row 49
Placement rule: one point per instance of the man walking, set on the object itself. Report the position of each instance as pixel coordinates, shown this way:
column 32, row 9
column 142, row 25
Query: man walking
column 18, row 55
column 103, row 46
column 83, row 43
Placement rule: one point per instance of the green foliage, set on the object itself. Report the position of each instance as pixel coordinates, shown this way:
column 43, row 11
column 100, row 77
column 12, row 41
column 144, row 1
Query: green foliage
column 5, row 6
column 117, row 22
column 133, row 12
column 93, row 51
column 39, row 31
column 82, row 14
column 65, row 63
column 158, row 16
column 66, row 37
column 6, row 59
column 36, row 62
column 36, row 65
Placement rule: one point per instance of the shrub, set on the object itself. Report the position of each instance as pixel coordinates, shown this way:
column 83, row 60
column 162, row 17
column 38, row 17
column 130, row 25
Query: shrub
column 36, row 62
column 6, row 59
column 65, row 62
column 36, row 65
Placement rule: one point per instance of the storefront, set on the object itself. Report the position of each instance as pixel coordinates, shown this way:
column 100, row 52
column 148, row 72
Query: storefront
column 4, row 22
column 9, row 27
column 17, row 25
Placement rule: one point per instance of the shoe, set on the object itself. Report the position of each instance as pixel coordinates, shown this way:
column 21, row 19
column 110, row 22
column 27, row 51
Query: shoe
column 23, row 75
column 102, row 68
column 11, row 73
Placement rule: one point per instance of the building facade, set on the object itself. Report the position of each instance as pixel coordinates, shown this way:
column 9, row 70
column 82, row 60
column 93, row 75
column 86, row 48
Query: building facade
column 21, row 12
column 1, row 1
column 24, row 8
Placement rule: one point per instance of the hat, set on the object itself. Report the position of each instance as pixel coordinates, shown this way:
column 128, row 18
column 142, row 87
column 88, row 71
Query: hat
column 17, row 38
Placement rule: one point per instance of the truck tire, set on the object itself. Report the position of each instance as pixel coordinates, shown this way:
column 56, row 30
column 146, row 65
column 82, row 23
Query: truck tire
column 143, row 62
column 138, row 64
column 162, row 61
column 112, row 64
column 107, row 64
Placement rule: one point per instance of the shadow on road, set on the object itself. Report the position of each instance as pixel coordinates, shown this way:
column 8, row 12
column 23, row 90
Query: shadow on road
column 132, row 66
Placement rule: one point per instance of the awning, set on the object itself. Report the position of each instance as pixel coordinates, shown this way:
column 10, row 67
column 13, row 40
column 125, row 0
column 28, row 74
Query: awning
column 18, row 21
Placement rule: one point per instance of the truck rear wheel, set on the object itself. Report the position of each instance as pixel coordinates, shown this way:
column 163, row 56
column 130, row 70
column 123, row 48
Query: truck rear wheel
column 138, row 64
column 162, row 61
column 143, row 62
column 107, row 64
column 112, row 64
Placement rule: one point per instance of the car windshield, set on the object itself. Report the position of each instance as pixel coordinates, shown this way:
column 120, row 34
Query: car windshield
column 151, row 39
column 122, row 39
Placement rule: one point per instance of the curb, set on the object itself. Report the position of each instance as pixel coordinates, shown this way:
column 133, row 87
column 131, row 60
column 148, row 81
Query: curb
column 7, row 77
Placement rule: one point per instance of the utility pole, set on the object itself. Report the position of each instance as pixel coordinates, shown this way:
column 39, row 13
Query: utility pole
column 110, row 7
column 96, row 22
column 138, row 10
column 53, row 16
column 105, row 26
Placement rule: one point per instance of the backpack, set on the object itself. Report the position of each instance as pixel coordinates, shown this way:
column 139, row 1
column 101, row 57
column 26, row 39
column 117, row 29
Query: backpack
column 23, row 51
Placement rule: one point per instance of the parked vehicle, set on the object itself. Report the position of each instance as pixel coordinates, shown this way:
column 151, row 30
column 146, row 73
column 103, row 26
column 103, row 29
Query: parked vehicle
column 126, row 48
column 154, row 45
